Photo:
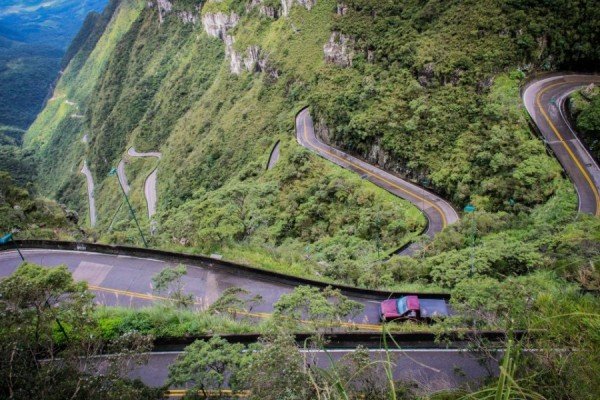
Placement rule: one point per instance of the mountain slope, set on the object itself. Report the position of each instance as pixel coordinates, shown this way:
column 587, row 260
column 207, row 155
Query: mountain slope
column 426, row 89
column 168, row 86
column 33, row 37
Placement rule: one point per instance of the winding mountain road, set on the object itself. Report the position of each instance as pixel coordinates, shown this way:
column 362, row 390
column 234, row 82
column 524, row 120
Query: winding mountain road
column 90, row 190
column 123, row 177
column 544, row 99
column 438, row 212
column 126, row 281
column 274, row 156
column 150, row 184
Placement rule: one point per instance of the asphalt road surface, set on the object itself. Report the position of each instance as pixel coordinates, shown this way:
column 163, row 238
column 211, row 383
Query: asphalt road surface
column 150, row 185
column 127, row 281
column 274, row 157
column 123, row 177
column 439, row 212
column 90, row 189
column 544, row 99
column 433, row 370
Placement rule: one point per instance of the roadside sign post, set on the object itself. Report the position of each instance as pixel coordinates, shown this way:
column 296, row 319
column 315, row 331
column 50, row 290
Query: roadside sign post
column 9, row 238
column 470, row 209
column 112, row 172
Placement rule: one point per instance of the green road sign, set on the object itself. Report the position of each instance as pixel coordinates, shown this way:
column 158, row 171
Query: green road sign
column 470, row 208
column 6, row 238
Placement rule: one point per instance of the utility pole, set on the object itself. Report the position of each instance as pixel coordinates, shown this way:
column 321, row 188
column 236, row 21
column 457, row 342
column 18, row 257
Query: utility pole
column 113, row 172
column 470, row 209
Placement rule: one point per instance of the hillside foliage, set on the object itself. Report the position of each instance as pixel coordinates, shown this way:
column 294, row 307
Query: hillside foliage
column 585, row 108
column 432, row 93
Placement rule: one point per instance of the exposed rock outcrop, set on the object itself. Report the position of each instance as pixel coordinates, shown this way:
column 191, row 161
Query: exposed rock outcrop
column 286, row 5
column 373, row 153
column 342, row 9
column 188, row 17
column 254, row 60
column 588, row 91
column 485, row 84
column 339, row 49
column 164, row 7
column 426, row 74
column 217, row 24
column 266, row 10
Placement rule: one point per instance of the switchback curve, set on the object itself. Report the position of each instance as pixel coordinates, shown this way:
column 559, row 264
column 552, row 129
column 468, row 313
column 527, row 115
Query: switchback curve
column 544, row 99
column 438, row 212
column 151, row 179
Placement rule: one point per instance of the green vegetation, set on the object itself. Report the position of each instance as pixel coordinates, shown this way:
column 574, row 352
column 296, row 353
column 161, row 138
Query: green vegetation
column 435, row 85
column 166, row 321
column 169, row 281
column 168, row 87
column 584, row 106
column 432, row 93
column 33, row 38
column 33, row 218
column 45, row 312
column 22, row 211
column 26, row 75
column 47, row 317
column 446, row 115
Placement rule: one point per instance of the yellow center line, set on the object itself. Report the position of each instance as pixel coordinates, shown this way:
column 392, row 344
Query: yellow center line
column 209, row 393
column 261, row 315
column 566, row 146
column 435, row 206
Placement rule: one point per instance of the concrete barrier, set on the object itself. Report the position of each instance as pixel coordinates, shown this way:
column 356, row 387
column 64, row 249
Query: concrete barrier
column 209, row 263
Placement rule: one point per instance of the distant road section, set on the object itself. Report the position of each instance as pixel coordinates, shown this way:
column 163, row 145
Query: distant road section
column 274, row 157
column 122, row 176
column 439, row 212
column 544, row 99
column 90, row 189
column 150, row 185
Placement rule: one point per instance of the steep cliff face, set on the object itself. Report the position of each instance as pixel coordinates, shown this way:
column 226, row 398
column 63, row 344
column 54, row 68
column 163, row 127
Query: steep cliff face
column 212, row 86
column 339, row 50
column 286, row 5
column 430, row 92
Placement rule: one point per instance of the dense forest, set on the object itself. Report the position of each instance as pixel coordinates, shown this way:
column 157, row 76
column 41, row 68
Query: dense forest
column 426, row 89
column 33, row 39
column 584, row 107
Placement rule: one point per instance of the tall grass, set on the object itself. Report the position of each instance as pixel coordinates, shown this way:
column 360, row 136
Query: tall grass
column 507, row 387
column 167, row 321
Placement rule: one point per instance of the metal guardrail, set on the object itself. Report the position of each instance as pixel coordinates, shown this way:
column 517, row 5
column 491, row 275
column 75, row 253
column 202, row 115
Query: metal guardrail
column 350, row 340
column 210, row 263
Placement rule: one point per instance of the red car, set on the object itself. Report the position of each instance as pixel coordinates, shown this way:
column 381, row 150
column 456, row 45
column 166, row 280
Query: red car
column 413, row 307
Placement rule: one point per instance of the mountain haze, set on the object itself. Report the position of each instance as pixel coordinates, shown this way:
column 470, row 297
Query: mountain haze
column 34, row 35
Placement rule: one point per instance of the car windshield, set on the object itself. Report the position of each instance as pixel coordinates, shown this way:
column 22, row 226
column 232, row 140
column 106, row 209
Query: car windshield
column 402, row 305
